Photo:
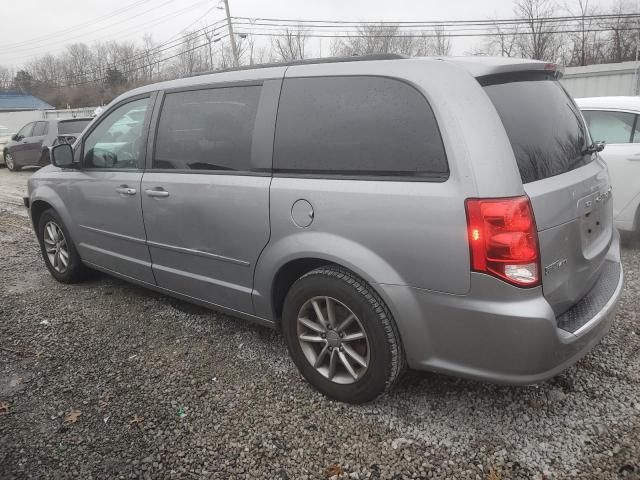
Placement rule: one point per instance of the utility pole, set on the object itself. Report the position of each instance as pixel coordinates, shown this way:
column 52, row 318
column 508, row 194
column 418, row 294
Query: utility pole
column 234, row 47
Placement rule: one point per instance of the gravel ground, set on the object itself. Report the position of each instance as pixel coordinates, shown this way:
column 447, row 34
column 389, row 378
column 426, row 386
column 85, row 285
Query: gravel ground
column 107, row 380
column 13, row 186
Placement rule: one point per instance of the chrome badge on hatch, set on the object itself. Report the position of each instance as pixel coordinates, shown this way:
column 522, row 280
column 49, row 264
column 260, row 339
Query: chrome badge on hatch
column 555, row 266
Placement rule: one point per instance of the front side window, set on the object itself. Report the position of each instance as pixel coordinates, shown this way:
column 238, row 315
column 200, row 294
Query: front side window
column 210, row 129
column 26, row 130
column 117, row 141
column 357, row 126
column 610, row 127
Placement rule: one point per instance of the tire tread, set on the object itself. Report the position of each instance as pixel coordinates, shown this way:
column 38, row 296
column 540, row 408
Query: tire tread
column 398, row 361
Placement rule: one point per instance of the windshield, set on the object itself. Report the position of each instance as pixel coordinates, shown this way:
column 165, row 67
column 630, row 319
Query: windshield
column 72, row 126
column 544, row 125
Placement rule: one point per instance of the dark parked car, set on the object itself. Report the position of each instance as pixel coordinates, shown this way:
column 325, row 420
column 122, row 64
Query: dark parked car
column 30, row 146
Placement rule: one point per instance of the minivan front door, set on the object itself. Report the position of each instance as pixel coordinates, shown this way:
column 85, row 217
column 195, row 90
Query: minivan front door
column 205, row 199
column 104, row 196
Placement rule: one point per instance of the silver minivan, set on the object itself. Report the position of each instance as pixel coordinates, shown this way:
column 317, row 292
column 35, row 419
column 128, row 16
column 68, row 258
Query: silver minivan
column 443, row 214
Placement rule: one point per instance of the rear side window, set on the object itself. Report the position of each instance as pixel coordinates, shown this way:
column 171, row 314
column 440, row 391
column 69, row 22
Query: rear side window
column 357, row 126
column 207, row 129
column 72, row 126
column 611, row 127
column 543, row 123
column 40, row 129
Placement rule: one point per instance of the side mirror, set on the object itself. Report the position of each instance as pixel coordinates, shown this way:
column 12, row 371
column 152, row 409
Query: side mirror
column 600, row 146
column 62, row 156
column 15, row 137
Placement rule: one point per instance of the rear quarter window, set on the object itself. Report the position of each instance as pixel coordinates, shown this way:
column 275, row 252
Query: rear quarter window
column 72, row 126
column 364, row 126
column 543, row 123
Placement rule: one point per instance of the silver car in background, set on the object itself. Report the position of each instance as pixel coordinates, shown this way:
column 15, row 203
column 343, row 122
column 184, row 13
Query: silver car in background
column 450, row 215
column 614, row 120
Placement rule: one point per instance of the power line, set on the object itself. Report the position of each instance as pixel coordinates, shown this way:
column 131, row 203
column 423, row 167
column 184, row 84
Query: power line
column 145, row 66
column 432, row 23
column 47, row 38
column 158, row 48
column 130, row 28
column 436, row 35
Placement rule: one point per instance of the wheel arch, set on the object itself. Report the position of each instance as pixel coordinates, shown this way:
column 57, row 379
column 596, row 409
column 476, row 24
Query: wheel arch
column 36, row 209
column 289, row 258
column 43, row 197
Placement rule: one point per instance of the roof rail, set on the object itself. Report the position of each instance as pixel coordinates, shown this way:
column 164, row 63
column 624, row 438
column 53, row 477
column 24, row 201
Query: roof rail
column 310, row 61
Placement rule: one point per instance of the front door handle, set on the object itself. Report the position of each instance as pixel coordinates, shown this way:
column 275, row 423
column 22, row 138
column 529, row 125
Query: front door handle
column 126, row 190
column 156, row 192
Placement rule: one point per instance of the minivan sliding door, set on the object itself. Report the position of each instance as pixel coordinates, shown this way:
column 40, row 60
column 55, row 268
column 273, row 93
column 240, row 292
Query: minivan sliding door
column 205, row 196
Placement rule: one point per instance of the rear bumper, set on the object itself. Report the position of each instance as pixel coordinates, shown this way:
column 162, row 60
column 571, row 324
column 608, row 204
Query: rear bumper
column 511, row 338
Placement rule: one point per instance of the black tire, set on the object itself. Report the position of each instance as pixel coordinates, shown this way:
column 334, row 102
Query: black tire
column 75, row 271
column 386, row 359
column 11, row 164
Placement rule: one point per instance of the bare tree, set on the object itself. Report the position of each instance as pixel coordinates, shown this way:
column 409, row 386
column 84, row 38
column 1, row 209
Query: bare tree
column 150, row 57
column 291, row 45
column 622, row 41
column 585, row 45
column 77, row 61
column 537, row 39
column 385, row 38
column 189, row 58
column 6, row 77
column 502, row 41
column 441, row 43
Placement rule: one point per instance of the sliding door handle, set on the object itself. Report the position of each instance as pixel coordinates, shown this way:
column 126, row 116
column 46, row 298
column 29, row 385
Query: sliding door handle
column 125, row 190
column 156, row 192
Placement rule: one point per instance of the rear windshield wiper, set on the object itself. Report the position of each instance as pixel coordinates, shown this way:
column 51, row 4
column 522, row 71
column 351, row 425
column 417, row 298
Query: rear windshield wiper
column 593, row 148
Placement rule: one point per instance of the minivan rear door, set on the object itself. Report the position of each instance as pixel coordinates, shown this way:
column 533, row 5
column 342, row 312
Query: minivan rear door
column 568, row 185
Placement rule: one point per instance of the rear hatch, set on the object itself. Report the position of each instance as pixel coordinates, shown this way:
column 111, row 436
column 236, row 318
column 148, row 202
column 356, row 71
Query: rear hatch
column 568, row 186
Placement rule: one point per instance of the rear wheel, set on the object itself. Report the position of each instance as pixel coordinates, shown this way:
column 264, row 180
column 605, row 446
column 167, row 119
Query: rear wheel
column 10, row 162
column 58, row 250
column 341, row 336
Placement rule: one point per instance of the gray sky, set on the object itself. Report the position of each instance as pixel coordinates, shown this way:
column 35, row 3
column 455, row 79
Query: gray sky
column 43, row 26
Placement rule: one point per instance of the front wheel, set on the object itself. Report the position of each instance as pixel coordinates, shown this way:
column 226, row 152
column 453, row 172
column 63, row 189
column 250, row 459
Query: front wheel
column 341, row 335
column 58, row 250
column 10, row 162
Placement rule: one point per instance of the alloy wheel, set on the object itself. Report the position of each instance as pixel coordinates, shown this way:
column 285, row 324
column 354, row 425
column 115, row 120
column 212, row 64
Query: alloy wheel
column 8, row 160
column 56, row 247
column 333, row 340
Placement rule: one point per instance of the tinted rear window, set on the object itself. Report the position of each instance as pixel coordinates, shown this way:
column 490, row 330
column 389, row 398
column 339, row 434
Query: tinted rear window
column 72, row 126
column 357, row 126
column 543, row 123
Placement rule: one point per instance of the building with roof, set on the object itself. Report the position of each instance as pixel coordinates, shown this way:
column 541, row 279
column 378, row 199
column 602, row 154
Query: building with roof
column 12, row 101
column 603, row 80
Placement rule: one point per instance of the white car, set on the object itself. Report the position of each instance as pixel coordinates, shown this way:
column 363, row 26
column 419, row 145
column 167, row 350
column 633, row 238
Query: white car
column 5, row 137
column 614, row 120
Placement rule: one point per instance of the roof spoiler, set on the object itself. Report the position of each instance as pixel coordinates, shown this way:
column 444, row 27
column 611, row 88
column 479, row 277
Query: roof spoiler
column 481, row 66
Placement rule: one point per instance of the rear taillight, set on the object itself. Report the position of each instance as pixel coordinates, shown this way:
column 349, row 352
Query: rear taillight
column 503, row 240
